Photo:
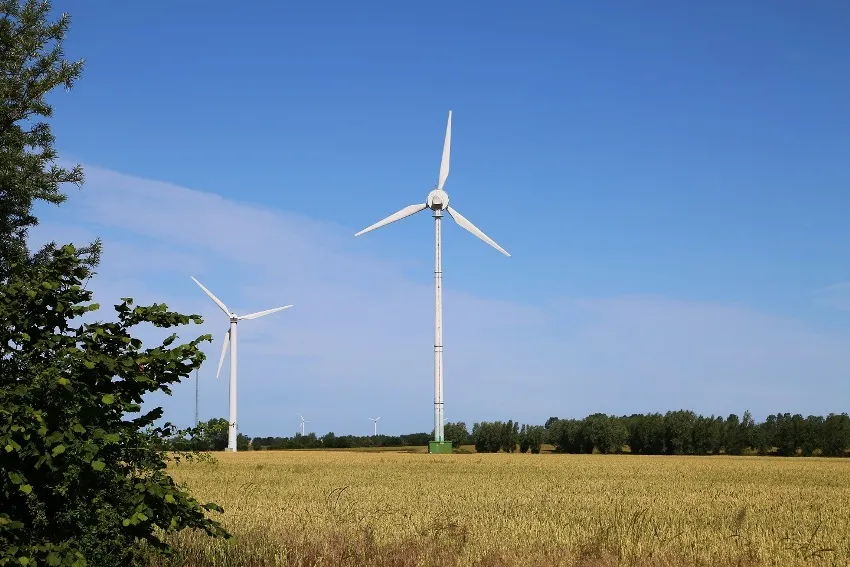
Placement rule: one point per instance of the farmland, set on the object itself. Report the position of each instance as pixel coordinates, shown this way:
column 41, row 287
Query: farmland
column 395, row 508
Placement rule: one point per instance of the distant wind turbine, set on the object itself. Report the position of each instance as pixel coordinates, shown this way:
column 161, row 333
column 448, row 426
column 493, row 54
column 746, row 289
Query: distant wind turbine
column 303, row 421
column 375, row 420
column 230, row 340
column 438, row 201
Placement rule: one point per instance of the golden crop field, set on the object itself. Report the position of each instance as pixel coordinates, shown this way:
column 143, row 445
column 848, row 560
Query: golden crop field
column 392, row 508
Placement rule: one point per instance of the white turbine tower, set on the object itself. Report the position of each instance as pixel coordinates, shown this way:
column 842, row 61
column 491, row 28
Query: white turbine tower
column 303, row 421
column 438, row 201
column 230, row 340
column 375, row 420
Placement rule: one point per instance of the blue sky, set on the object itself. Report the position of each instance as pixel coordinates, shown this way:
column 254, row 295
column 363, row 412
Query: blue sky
column 671, row 180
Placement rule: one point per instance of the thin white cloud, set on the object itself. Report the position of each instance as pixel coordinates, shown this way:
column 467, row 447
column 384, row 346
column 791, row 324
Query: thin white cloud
column 358, row 341
column 836, row 296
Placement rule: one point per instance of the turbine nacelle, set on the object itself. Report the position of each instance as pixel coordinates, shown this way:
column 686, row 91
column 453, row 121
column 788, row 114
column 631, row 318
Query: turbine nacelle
column 438, row 200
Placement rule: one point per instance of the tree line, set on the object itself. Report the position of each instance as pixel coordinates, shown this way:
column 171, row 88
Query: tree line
column 680, row 432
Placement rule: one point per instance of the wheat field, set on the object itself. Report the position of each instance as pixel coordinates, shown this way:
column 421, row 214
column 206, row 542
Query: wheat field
column 394, row 508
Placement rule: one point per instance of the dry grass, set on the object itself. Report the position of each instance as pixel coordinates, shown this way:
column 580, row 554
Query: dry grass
column 399, row 509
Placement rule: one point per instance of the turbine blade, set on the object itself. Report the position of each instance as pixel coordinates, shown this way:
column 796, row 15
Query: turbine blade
column 376, row 419
column 223, row 352
column 263, row 313
column 218, row 302
column 405, row 212
column 447, row 150
column 464, row 223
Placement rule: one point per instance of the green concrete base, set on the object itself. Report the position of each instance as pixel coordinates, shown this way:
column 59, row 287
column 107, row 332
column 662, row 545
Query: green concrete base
column 440, row 447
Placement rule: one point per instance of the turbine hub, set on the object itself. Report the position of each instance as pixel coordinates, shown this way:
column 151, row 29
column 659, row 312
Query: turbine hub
column 437, row 200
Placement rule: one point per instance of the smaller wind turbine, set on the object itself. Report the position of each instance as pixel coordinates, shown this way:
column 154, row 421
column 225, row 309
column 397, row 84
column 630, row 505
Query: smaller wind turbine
column 375, row 421
column 230, row 341
column 303, row 421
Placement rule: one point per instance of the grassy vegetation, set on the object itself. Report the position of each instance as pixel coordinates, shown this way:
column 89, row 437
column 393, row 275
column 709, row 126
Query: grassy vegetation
column 392, row 508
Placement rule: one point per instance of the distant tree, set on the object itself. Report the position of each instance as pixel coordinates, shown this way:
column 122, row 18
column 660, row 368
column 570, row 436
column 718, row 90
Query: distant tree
column 487, row 436
column 509, row 436
column 678, row 432
column 534, row 436
column 564, row 434
column 836, row 435
column 645, row 434
column 456, row 433
column 765, row 435
column 549, row 422
column 524, row 442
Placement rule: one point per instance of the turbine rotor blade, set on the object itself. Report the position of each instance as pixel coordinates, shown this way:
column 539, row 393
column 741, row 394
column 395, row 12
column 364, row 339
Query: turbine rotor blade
column 464, row 223
column 263, row 313
column 405, row 212
column 447, row 150
column 223, row 352
column 218, row 302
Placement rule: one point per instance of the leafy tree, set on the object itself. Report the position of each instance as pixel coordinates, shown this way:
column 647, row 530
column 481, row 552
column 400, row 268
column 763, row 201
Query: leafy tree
column 534, row 435
column 31, row 66
column 524, row 441
column 456, row 433
column 678, row 432
column 508, row 436
column 79, row 477
column 564, row 435
column 836, row 435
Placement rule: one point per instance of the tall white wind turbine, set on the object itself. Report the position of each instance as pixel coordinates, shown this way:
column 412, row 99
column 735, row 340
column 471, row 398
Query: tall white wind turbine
column 438, row 201
column 303, row 421
column 375, row 420
column 230, row 340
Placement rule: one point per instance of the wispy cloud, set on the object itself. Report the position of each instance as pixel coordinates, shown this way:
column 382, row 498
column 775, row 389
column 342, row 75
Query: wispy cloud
column 836, row 296
column 358, row 341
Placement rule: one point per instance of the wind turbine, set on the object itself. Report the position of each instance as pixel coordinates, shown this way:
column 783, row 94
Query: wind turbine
column 230, row 340
column 375, row 419
column 303, row 421
column 438, row 201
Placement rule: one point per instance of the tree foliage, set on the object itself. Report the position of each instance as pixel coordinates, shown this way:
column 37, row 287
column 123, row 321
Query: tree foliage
column 82, row 478
column 31, row 66
column 686, row 433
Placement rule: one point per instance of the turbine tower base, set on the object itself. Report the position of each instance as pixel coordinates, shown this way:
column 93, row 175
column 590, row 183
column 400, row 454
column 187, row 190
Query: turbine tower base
column 440, row 447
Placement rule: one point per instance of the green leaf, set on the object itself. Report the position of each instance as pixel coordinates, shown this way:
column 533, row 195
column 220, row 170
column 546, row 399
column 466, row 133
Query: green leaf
column 108, row 399
column 169, row 498
column 25, row 488
column 98, row 465
column 58, row 450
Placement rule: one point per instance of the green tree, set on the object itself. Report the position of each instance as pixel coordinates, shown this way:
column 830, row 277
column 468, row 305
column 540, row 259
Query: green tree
column 457, row 433
column 535, row 435
column 524, row 441
column 80, row 477
column 31, row 66
column 836, row 435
